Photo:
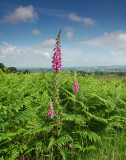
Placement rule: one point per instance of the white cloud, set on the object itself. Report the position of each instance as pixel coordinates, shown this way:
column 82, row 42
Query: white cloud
column 70, row 32
column 102, row 60
column 14, row 52
column 47, row 43
column 2, row 57
column 113, row 40
column 21, row 14
column 8, row 50
column 67, row 15
column 114, row 53
column 53, row 12
column 122, row 37
column 111, row 46
column 85, row 21
column 46, row 54
column 35, row 32
column 34, row 56
column 69, row 35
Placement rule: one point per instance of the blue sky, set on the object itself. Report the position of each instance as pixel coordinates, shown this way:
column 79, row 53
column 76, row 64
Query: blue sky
column 93, row 32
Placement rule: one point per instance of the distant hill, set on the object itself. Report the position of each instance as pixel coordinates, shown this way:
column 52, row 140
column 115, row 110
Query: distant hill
column 114, row 68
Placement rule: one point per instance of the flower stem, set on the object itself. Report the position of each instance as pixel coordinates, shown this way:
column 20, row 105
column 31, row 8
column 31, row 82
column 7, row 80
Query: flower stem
column 56, row 104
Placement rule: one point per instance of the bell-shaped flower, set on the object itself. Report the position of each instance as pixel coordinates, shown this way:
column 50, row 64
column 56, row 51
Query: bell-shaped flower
column 51, row 111
column 76, row 87
column 70, row 145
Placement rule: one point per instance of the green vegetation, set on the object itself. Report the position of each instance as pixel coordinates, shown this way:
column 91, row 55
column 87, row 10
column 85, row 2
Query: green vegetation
column 2, row 66
column 92, row 120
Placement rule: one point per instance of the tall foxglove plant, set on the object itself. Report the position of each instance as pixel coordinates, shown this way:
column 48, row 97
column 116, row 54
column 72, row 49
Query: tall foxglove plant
column 56, row 65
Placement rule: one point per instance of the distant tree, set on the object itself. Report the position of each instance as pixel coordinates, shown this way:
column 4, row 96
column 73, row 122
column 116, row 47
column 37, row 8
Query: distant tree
column 26, row 72
column 98, row 73
column 120, row 73
column 2, row 66
column 102, row 73
column 11, row 69
column 112, row 72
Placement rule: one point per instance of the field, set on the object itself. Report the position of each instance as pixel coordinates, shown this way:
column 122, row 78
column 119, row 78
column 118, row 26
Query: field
column 91, row 124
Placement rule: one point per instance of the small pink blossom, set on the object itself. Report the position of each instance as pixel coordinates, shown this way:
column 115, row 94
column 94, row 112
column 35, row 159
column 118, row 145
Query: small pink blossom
column 61, row 114
column 37, row 132
column 70, row 145
column 38, row 148
column 51, row 111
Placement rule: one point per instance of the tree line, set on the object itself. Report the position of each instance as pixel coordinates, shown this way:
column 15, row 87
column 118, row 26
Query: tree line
column 11, row 69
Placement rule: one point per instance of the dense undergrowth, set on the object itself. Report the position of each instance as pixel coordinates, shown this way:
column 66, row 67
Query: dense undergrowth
column 91, row 120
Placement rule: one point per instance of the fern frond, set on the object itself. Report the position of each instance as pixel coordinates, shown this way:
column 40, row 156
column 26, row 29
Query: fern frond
column 83, row 149
column 51, row 143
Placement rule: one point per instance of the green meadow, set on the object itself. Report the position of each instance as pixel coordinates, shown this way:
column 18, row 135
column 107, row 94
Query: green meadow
column 92, row 121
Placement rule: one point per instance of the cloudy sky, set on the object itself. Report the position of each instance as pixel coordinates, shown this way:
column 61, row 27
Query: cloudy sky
column 93, row 32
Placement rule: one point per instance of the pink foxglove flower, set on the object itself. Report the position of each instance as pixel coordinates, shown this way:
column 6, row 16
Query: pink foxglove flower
column 76, row 87
column 70, row 145
column 51, row 111
column 56, row 59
